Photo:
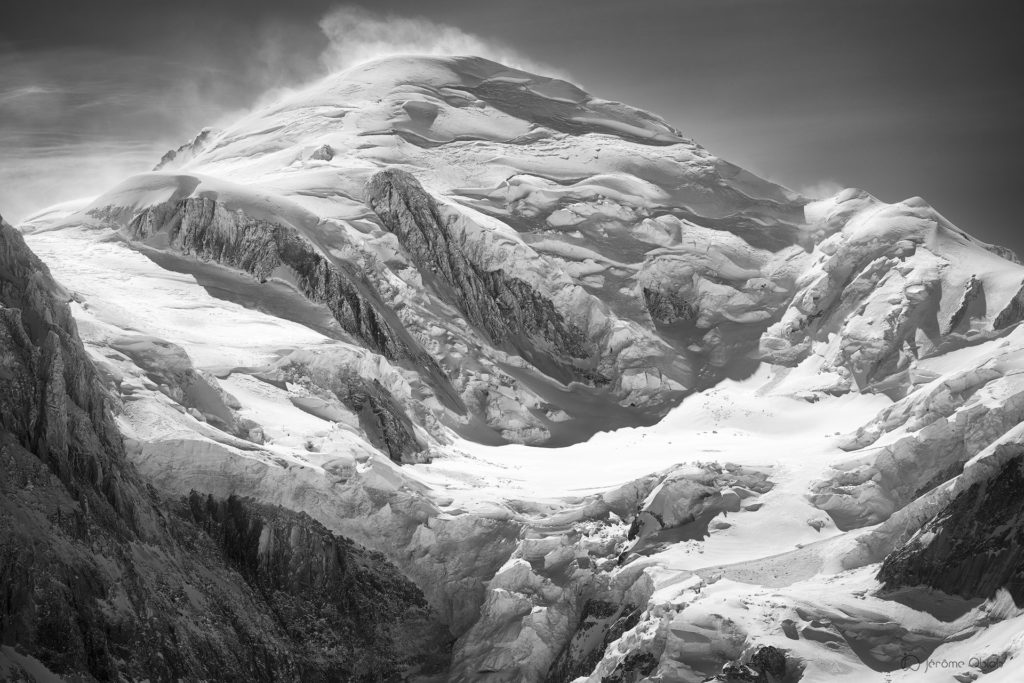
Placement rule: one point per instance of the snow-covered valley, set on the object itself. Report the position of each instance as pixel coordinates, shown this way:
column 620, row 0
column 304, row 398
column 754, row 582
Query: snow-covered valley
column 621, row 410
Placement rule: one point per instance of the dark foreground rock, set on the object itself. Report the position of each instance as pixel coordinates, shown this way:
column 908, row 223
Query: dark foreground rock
column 104, row 581
column 974, row 546
column 602, row 623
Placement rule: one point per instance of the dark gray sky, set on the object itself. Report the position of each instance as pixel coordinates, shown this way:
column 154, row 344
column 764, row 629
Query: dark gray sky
column 899, row 97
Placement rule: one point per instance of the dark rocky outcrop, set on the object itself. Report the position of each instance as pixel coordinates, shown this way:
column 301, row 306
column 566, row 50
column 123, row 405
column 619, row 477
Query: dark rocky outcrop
column 322, row 153
column 767, row 664
column 101, row 580
column 633, row 668
column 509, row 311
column 383, row 421
column 973, row 547
column 666, row 308
column 972, row 305
column 200, row 227
column 346, row 609
column 1012, row 313
column 601, row 623
column 52, row 403
column 174, row 158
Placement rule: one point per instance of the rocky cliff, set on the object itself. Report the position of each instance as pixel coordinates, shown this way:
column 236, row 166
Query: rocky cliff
column 972, row 548
column 104, row 580
column 208, row 230
column 505, row 308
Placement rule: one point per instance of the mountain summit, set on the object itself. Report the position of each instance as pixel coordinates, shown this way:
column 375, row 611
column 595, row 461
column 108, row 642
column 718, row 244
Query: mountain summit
column 534, row 346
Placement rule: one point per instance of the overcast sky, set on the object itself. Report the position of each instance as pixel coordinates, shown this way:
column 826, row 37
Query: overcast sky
column 899, row 97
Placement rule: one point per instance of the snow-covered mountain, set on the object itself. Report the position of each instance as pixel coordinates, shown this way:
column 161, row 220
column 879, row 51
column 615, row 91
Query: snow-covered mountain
column 622, row 410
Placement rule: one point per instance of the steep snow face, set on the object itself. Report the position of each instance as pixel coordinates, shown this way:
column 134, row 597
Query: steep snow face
column 373, row 300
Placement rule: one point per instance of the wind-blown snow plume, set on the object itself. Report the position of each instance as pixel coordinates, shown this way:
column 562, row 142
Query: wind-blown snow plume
column 820, row 189
column 358, row 35
column 75, row 120
column 65, row 133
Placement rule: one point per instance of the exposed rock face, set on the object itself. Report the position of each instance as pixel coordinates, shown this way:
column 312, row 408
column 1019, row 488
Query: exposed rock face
column 323, row 153
column 346, row 609
column 176, row 158
column 450, row 557
column 101, row 581
column 52, row 403
column 381, row 418
column 601, row 623
column 506, row 308
column 387, row 426
column 972, row 305
column 766, row 665
column 668, row 307
column 973, row 547
column 1014, row 311
column 523, row 302
column 206, row 229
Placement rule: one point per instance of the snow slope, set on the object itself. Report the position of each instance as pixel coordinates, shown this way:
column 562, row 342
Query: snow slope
column 570, row 371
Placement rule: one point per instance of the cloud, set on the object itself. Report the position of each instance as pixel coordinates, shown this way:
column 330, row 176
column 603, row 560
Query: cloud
column 358, row 35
